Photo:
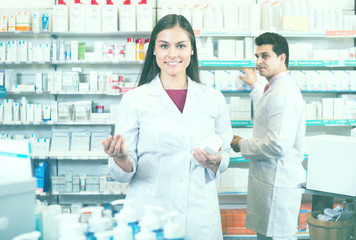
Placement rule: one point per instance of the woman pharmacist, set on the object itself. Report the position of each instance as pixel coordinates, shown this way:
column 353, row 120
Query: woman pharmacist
column 159, row 125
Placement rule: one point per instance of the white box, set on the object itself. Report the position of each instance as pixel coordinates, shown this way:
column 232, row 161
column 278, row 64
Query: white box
column 332, row 164
column 328, row 108
column 226, row 49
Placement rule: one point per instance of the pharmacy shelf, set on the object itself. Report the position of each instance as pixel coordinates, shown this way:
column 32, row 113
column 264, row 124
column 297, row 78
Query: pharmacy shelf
column 82, row 62
column 299, row 236
column 100, row 34
column 88, row 156
column 73, row 34
column 69, row 123
column 87, row 193
column 240, row 159
column 287, row 34
column 292, row 63
column 338, row 122
column 61, row 93
column 231, row 192
column 303, row 91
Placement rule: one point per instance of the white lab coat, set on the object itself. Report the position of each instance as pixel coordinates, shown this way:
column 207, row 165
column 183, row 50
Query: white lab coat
column 161, row 139
column 276, row 156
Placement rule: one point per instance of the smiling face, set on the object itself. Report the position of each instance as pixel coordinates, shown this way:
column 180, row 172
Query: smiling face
column 268, row 63
column 173, row 50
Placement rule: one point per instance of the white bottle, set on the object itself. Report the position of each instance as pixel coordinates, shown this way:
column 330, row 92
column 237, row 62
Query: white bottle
column 2, row 51
column 218, row 19
column 152, row 220
column 60, row 17
column 145, row 232
column 130, row 51
column 129, row 214
column 109, row 17
column 197, row 18
column 16, row 111
column 23, row 109
column 276, row 15
column 186, row 12
column 77, row 17
column 29, row 52
column 208, row 18
column 127, row 17
column 172, row 228
column 11, row 24
column 122, row 230
column 144, row 16
column 35, row 22
column 266, row 18
column 93, row 17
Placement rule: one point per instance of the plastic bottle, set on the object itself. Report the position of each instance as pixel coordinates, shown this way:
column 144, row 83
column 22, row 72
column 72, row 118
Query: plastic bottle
column 77, row 17
column 152, row 220
column 140, row 49
column 96, row 224
column 60, row 17
column 186, row 12
column 145, row 232
column 93, row 17
column 218, row 19
column 129, row 213
column 69, row 228
column 266, row 15
column 127, row 17
column 172, row 228
column 144, row 16
column 276, row 15
column 197, row 18
column 109, row 17
column 35, row 22
column 45, row 22
column 122, row 231
column 107, row 212
column 23, row 109
column 130, row 50
column 208, row 17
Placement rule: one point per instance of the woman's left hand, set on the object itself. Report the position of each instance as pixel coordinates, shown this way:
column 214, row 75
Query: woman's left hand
column 208, row 160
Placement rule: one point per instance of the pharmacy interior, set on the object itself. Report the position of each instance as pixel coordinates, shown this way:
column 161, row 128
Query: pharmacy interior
column 65, row 65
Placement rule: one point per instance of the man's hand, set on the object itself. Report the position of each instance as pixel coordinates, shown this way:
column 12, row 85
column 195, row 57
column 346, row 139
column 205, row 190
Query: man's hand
column 235, row 143
column 251, row 76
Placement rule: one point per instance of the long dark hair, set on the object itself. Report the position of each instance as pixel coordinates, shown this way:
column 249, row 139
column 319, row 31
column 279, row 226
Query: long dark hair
column 150, row 68
column 279, row 43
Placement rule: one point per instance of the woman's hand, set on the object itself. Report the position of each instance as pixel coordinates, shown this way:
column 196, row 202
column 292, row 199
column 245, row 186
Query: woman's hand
column 115, row 147
column 208, row 160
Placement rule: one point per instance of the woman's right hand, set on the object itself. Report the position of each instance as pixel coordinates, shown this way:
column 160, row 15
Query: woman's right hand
column 115, row 147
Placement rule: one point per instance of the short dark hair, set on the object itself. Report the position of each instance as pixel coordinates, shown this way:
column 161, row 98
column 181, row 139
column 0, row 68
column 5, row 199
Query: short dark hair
column 279, row 43
column 150, row 68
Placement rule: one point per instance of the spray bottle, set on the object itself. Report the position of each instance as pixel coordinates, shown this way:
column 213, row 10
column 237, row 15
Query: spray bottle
column 60, row 17
column 172, row 228
column 127, row 17
column 144, row 16
column 109, row 17
column 93, row 17
column 77, row 17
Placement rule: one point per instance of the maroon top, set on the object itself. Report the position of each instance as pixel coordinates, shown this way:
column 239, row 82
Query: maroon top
column 178, row 96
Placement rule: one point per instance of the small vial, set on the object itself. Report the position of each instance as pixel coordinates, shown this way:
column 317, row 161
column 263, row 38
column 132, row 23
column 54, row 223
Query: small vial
column 99, row 109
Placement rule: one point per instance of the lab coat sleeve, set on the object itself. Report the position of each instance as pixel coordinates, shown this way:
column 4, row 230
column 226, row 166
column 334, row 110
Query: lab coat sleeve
column 257, row 93
column 283, row 116
column 222, row 129
column 127, row 125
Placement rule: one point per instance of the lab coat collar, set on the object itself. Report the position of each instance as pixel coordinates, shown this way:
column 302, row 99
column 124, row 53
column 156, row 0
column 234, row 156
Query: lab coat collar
column 276, row 81
column 155, row 88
